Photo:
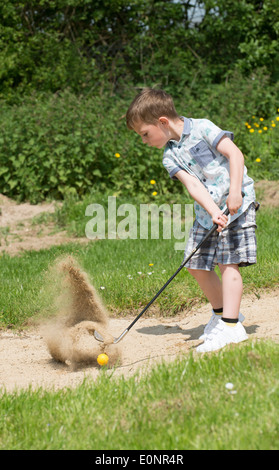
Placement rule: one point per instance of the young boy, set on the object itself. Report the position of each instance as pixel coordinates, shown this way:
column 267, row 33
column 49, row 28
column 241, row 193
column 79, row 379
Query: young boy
column 211, row 167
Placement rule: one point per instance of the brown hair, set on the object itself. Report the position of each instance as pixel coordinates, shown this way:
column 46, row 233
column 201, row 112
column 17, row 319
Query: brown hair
column 148, row 106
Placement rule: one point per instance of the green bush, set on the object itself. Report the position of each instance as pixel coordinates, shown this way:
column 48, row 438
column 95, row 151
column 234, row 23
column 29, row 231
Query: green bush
column 68, row 145
column 53, row 146
column 262, row 138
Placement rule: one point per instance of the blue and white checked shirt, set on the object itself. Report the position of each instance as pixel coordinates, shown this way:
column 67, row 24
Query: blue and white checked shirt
column 196, row 153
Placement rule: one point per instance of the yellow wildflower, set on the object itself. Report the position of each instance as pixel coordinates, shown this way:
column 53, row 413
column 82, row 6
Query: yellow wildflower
column 249, row 127
column 258, row 160
column 259, row 131
column 256, row 124
column 152, row 182
column 261, row 119
column 273, row 124
column 154, row 193
column 151, row 264
column 265, row 128
column 117, row 155
column 252, row 130
column 277, row 119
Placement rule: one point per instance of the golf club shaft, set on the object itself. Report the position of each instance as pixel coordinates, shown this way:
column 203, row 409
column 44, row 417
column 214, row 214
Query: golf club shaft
column 210, row 232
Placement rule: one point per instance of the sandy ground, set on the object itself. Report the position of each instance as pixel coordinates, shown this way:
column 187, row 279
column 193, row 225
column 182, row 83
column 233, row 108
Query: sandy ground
column 20, row 229
column 25, row 359
column 24, row 356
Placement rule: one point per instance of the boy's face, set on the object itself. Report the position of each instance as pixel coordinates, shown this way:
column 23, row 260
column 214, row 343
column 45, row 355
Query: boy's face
column 154, row 135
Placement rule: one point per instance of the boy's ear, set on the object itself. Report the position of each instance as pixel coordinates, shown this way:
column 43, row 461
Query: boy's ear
column 164, row 120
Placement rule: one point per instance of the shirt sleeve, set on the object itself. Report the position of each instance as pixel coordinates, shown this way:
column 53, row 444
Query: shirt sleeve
column 171, row 166
column 211, row 133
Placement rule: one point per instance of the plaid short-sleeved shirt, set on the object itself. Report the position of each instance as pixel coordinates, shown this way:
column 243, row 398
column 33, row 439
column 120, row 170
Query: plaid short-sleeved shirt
column 196, row 153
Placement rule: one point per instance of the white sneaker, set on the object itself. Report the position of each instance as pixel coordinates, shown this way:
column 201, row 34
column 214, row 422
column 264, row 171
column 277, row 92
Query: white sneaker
column 221, row 335
column 213, row 322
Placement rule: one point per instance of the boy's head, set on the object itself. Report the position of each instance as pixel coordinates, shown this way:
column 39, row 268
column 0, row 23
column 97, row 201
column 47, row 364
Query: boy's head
column 150, row 115
column 148, row 106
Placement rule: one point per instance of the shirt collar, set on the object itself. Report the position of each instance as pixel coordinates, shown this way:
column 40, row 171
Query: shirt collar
column 187, row 126
column 186, row 130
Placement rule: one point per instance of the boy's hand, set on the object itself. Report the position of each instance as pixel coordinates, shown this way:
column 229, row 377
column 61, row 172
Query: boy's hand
column 234, row 202
column 220, row 219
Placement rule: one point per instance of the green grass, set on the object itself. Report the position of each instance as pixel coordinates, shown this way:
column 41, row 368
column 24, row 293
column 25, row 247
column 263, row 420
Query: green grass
column 184, row 405
column 115, row 264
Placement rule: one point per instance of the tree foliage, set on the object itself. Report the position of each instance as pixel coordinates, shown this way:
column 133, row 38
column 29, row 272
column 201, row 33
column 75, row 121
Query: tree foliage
column 69, row 69
column 48, row 45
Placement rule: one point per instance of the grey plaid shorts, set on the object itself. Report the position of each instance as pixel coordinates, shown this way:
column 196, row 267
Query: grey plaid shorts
column 236, row 244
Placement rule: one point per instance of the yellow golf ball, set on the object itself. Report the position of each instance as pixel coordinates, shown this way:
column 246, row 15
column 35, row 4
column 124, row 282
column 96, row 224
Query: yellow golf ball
column 102, row 359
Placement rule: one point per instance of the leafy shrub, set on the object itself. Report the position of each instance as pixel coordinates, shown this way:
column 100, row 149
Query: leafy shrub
column 54, row 146
column 68, row 145
column 262, row 138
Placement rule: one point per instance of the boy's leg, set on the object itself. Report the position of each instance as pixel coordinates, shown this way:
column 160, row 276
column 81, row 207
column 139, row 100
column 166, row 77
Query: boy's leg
column 228, row 329
column 211, row 286
column 216, row 291
column 232, row 288
column 224, row 295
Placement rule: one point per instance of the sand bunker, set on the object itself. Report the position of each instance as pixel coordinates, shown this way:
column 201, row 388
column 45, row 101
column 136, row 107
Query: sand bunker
column 69, row 334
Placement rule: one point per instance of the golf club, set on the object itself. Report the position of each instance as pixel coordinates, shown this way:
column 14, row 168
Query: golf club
column 99, row 337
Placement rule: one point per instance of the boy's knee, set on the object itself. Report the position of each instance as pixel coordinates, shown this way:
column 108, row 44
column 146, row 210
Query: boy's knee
column 196, row 273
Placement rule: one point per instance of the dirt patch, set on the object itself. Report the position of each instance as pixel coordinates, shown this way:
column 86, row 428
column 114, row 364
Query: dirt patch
column 26, row 360
column 267, row 193
column 19, row 230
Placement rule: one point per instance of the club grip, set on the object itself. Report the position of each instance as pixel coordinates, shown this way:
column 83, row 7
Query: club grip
column 226, row 212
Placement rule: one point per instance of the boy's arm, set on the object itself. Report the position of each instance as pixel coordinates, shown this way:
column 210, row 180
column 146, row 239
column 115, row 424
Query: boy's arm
column 199, row 192
column 227, row 148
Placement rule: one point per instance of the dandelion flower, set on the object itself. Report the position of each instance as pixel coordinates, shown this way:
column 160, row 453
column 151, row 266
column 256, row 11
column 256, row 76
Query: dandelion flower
column 265, row 128
column 277, row 119
column 256, row 124
column 259, row 131
column 252, row 130
column 151, row 264
column 261, row 119
column 117, row 155
column 154, row 193
column 273, row 124
column 152, row 182
column 258, row 160
column 249, row 127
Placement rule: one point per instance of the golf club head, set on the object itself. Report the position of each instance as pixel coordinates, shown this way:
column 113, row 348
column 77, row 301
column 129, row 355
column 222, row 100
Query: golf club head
column 99, row 337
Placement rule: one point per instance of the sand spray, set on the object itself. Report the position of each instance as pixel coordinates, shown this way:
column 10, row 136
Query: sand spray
column 78, row 312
